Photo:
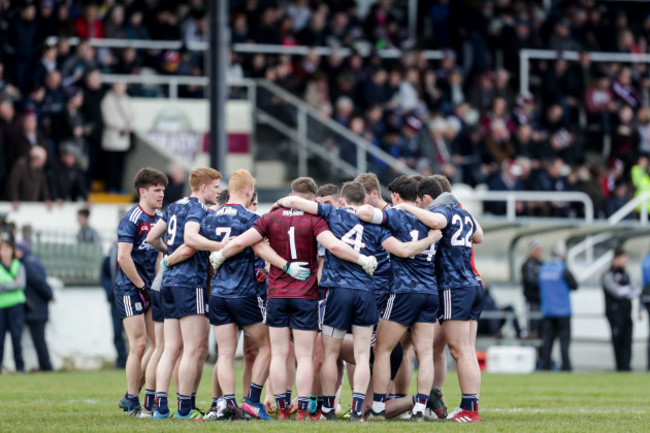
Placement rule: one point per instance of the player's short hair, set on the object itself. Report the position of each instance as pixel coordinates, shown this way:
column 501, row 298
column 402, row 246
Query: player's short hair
column 223, row 197
column 417, row 177
column 369, row 181
column 84, row 212
column 353, row 193
column 304, row 185
column 254, row 196
column 146, row 177
column 327, row 189
column 429, row 186
column 405, row 186
column 443, row 181
column 619, row 251
column 240, row 181
column 203, row 176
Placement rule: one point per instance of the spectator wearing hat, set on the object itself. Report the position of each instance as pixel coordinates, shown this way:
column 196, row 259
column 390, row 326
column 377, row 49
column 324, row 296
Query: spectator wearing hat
column 39, row 294
column 555, row 284
column 530, row 281
column 118, row 116
column 27, row 180
column 69, row 182
column 619, row 292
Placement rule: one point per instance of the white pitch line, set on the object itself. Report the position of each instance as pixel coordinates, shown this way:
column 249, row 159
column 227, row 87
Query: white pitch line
column 567, row 410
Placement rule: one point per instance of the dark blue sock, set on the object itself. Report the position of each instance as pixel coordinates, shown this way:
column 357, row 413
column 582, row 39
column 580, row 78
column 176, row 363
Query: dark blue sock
column 379, row 397
column 303, row 403
column 149, row 397
column 134, row 400
column 230, row 400
column 255, row 393
column 280, row 401
column 328, row 403
column 214, row 401
column 357, row 401
column 421, row 398
column 184, row 404
column 193, row 398
column 161, row 402
column 287, row 396
column 469, row 402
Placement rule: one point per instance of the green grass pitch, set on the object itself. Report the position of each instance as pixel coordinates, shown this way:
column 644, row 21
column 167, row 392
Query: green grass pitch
column 541, row 402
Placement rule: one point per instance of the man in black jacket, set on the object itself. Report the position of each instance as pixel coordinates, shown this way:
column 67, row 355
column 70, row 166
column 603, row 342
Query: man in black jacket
column 530, row 281
column 38, row 294
column 619, row 293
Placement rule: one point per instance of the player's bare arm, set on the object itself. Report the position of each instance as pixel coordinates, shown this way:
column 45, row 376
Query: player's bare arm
column 477, row 237
column 293, row 202
column 154, row 237
column 343, row 251
column 264, row 250
column 412, row 248
column 428, row 218
column 195, row 240
column 181, row 254
column 126, row 263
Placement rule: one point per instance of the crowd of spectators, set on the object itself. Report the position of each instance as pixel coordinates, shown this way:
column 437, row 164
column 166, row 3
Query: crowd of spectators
column 461, row 115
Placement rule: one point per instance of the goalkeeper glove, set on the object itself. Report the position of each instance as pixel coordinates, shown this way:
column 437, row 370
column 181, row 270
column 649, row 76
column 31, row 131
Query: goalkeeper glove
column 368, row 263
column 296, row 270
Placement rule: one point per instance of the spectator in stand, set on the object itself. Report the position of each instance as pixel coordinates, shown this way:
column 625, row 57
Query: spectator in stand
column 619, row 292
column 551, row 179
column 624, row 91
column 317, row 94
column 12, row 300
column 374, row 91
column 555, row 284
column 299, row 12
column 22, row 45
column 116, row 139
column 93, row 94
column 624, row 137
column 561, row 139
column 46, row 21
column 114, row 23
column 38, row 294
column 530, row 280
column 561, row 39
column 599, row 103
column 267, row 32
column 498, row 144
column 618, row 199
column 314, row 35
column 86, row 234
column 74, row 68
column 641, row 177
column 239, row 30
column 506, row 179
column 21, row 143
column 135, row 29
column 89, row 25
column 46, row 64
column 54, row 100
column 69, row 127
column 643, row 130
column 175, row 189
column 69, row 181
column 27, row 180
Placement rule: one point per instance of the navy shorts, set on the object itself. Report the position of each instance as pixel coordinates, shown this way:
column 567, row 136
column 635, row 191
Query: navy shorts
column 156, row 307
column 463, row 303
column 345, row 308
column 382, row 300
column 243, row 311
column 130, row 305
column 300, row 314
column 179, row 302
column 410, row 308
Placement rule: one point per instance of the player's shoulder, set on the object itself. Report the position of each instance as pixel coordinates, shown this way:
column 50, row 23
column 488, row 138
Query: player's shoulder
column 132, row 215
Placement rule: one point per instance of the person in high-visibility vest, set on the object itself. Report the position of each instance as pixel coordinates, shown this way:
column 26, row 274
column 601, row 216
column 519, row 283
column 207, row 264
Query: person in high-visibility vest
column 641, row 178
column 12, row 300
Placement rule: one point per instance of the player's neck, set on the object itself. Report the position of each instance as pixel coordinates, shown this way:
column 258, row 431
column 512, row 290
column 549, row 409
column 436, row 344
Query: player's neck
column 240, row 199
column 199, row 196
column 146, row 208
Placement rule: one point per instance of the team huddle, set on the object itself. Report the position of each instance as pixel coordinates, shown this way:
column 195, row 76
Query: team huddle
column 322, row 280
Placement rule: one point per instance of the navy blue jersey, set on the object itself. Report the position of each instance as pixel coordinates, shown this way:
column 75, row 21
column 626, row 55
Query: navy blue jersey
column 412, row 274
column 133, row 229
column 236, row 276
column 363, row 237
column 454, row 257
column 193, row 272
column 383, row 276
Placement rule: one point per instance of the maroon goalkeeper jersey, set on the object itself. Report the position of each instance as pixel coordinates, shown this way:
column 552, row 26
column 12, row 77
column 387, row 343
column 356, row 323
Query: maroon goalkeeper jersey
column 292, row 234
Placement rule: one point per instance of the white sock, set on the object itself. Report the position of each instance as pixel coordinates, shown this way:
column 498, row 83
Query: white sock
column 378, row 406
column 419, row 407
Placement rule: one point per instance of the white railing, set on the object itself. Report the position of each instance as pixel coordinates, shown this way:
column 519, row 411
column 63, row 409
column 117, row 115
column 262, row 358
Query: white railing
column 299, row 50
column 512, row 197
column 595, row 56
column 641, row 200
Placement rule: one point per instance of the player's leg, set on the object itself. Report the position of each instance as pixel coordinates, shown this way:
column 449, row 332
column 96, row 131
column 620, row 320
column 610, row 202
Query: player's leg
column 150, row 372
column 251, row 349
column 304, row 342
column 279, row 338
column 329, row 371
column 422, row 336
column 205, row 350
column 316, row 388
column 389, row 334
column 362, row 336
column 226, row 336
column 402, row 382
column 457, row 334
column 436, row 403
column 150, row 334
column 187, row 369
column 135, row 332
column 260, row 371
column 171, row 352
column 473, row 329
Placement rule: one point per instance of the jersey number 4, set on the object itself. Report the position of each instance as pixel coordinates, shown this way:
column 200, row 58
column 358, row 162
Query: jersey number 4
column 456, row 239
column 354, row 238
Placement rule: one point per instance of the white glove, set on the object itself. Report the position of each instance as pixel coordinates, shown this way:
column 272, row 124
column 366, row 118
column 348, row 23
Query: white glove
column 216, row 259
column 296, row 270
column 368, row 263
